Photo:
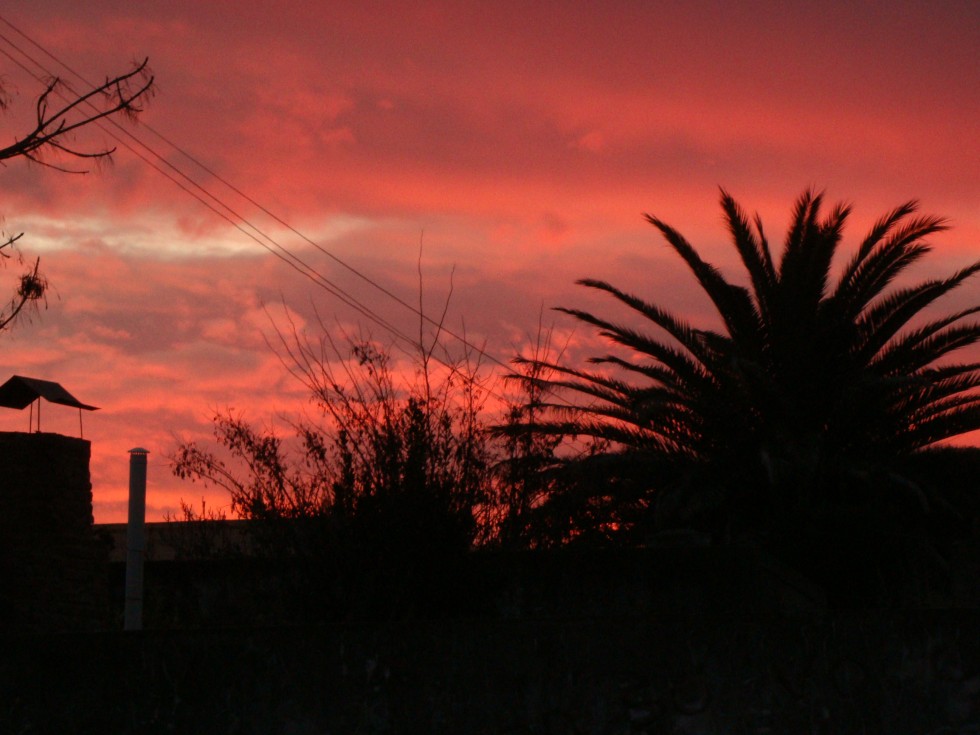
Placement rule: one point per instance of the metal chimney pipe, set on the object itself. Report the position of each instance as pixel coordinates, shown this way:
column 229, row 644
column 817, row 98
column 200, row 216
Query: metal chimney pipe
column 135, row 540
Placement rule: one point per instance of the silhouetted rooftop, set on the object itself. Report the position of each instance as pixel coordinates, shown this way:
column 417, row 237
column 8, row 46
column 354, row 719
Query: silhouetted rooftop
column 19, row 392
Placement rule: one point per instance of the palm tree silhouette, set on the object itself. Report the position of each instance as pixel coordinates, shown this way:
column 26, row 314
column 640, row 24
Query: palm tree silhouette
column 808, row 401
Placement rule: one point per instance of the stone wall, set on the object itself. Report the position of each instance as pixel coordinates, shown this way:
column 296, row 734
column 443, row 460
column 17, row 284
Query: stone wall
column 52, row 569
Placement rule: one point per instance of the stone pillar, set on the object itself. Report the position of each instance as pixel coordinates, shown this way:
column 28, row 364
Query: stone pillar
column 52, row 568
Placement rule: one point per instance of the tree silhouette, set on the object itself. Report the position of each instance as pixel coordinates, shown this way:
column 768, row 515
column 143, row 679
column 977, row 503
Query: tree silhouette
column 799, row 412
column 60, row 114
column 379, row 499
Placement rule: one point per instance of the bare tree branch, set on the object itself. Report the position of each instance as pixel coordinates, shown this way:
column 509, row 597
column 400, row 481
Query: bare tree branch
column 60, row 112
column 55, row 122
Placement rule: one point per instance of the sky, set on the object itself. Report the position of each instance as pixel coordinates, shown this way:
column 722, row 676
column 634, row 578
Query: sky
column 504, row 149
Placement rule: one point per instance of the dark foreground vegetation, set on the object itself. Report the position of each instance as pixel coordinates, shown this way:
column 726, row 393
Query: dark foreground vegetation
column 663, row 540
column 901, row 674
column 811, row 427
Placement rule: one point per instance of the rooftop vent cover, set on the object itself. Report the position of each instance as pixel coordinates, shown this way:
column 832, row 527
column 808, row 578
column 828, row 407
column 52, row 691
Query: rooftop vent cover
column 20, row 392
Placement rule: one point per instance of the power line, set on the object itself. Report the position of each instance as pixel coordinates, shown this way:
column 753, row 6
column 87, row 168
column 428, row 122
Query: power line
column 367, row 279
column 230, row 215
column 240, row 222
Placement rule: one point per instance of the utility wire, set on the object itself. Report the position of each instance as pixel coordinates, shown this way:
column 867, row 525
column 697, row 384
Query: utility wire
column 230, row 215
column 417, row 311
column 240, row 222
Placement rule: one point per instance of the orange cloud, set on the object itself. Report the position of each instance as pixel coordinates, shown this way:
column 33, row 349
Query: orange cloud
column 524, row 140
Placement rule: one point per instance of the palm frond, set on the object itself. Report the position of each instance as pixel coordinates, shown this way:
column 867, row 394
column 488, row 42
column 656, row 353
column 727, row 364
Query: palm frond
column 924, row 346
column 944, row 426
column 880, row 228
column 823, row 250
column 914, row 395
column 733, row 303
column 805, row 266
column 803, row 222
column 754, row 253
column 618, row 434
column 690, row 371
column 944, row 406
column 657, row 373
column 883, row 320
column 875, row 271
column 680, row 331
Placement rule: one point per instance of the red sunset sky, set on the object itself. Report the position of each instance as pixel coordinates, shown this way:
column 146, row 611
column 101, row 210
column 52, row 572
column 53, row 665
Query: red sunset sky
column 524, row 139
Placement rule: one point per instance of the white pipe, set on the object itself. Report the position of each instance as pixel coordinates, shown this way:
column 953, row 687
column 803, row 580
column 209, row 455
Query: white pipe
column 135, row 540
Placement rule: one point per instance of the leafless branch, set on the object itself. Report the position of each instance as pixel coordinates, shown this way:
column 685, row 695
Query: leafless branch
column 58, row 115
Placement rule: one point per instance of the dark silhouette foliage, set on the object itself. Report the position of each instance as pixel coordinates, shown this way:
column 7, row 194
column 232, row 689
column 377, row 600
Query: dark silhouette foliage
column 379, row 498
column 529, row 484
column 791, row 425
